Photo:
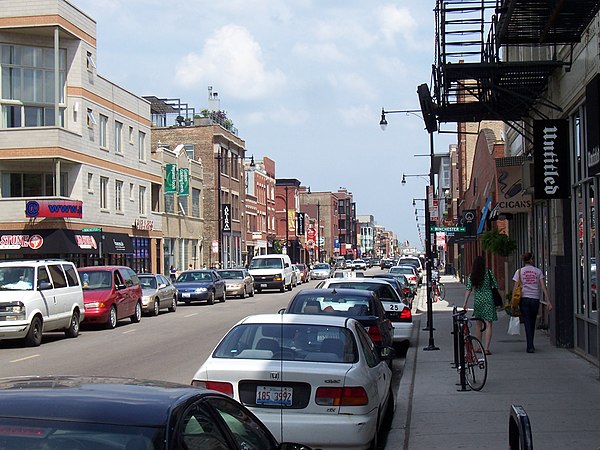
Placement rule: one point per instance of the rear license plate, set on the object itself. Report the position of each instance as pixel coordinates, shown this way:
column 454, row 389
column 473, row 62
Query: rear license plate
column 274, row 395
column 185, row 295
column 263, row 285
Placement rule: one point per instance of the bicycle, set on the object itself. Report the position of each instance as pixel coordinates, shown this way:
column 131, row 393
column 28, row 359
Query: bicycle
column 475, row 359
column 438, row 291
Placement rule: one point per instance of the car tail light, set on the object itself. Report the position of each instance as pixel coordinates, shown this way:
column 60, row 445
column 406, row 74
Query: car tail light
column 337, row 396
column 220, row 386
column 405, row 314
column 375, row 334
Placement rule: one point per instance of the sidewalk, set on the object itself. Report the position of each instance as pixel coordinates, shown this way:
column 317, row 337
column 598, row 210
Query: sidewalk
column 559, row 390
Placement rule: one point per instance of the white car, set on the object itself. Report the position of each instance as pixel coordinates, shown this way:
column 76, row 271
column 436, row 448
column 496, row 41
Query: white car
column 320, row 271
column 410, row 272
column 396, row 310
column 314, row 379
column 359, row 264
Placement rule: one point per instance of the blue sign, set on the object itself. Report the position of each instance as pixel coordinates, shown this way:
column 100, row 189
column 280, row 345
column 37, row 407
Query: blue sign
column 484, row 213
column 336, row 243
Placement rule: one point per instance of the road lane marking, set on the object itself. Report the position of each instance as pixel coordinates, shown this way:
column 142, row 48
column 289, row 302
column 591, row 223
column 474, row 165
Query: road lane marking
column 191, row 315
column 24, row 359
column 129, row 331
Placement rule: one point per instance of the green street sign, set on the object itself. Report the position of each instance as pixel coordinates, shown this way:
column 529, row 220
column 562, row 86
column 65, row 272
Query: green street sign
column 91, row 230
column 449, row 229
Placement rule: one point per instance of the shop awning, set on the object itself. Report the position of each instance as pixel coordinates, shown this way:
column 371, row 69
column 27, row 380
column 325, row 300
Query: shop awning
column 46, row 241
column 117, row 243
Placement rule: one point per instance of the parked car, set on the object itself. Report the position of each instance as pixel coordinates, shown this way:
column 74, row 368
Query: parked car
column 273, row 271
column 111, row 293
column 361, row 305
column 238, row 282
column 296, row 276
column 313, row 379
column 204, row 285
column 359, row 264
column 304, row 273
column 408, row 290
column 37, row 297
column 74, row 413
column 396, row 310
column 340, row 262
column 157, row 293
column 386, row 263
column 320, row 271
column 414, row 261
column 409, row 271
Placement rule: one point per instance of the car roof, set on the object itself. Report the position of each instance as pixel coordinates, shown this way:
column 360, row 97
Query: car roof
column 94, row 399
column 308, row 319
column 403, row 266
column 102, row 267
column 332, row 291
column 357, row 280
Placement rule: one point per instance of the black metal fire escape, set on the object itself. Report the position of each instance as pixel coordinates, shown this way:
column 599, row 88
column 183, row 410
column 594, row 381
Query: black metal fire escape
column 476, row 75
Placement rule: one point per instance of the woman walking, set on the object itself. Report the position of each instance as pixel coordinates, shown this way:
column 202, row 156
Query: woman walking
column 532, row 287
column 482, row 281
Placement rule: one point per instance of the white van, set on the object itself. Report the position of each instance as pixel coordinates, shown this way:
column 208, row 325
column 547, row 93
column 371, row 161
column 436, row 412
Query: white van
column 39, row 296
column 271, row 272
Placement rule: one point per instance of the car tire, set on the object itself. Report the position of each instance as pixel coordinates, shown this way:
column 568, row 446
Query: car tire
column 111, row 323
column 211, row 298
column 34, row 335
column 137, row 315
column 156, row 308
column 283, row 288
column 73, row 330
column 374, row 445
column 224, row 297
column 243, row 294
column 259, row 290
column 173, row 306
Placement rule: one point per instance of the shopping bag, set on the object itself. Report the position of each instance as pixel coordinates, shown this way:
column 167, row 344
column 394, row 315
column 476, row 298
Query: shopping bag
column 514, row 326
column 516, row 296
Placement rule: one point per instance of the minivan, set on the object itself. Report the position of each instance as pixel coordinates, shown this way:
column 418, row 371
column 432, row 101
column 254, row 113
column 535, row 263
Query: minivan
column 37, row 296
column 272, row 271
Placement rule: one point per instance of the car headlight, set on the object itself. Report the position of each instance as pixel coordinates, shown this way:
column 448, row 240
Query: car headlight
column 13, row 311
column 94, row 305
column 200, row 290
column 234, row 286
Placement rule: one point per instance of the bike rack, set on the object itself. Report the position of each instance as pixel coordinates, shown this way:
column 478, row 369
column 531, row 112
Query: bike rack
column 519, row 429
column 454, row 332
column 460, row 338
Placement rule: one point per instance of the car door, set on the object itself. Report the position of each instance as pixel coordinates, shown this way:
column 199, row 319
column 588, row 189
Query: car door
column 61, row 297
column 165, row 290
column 122, row 297
column 378, row 374
column 219, row 285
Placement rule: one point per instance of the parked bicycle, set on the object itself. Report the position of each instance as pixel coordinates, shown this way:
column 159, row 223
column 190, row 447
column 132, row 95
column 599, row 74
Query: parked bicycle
column 475, row 360
column 438, row 290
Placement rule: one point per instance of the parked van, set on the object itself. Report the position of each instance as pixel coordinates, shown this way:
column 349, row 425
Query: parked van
column 339, row 262
column 271, row 272
column 37, row 297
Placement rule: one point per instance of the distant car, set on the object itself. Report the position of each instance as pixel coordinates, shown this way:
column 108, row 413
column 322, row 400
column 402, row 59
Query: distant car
column 359, row 264
column 204, row 285
column 314, row 379
column 296, row 275
column 396, row 309
column 408, row 290
column 157, row 293
column 75, row 413
column 238, row 282
column 304, row 273
column 361, row 305
column 320, row 271
column 386, row 263
column 111, row 293
column 414, row 261
column 409, row 271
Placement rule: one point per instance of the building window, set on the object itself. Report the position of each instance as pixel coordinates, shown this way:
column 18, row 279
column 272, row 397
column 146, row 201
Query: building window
column 118, row 137
column 131, row 192
column 195, row 202
column 169, row 203
column 131, row 135
column 224, row 162
column 103, row 131
column 91, row 120
column 189, row 150
column 27, row 82
column 235, row 207
column 103, row 193
column 142, row 146
column 142, row 200
column 18, row 184
column 90, row 182
column 119, row 196
column 90, row 63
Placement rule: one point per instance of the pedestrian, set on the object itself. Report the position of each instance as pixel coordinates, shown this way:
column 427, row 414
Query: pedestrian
column 482, row 281
column 532, row 287
column 190, row 267
column 173, row 273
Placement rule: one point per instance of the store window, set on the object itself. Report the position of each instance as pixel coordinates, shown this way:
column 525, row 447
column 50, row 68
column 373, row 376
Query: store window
column 18, row 184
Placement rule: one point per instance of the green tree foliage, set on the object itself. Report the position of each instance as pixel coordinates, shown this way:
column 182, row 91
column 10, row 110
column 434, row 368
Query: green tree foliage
column 497, row 243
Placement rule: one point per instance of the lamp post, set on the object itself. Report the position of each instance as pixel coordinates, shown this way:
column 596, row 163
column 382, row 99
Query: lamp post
column 431, row 125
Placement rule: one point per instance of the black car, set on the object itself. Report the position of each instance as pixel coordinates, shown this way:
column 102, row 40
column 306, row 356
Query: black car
column 386, row 263
column 200, row 285
column 361, row 305
column 77, row 413
column 402, row 285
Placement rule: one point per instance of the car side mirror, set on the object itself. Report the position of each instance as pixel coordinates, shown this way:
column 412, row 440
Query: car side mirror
column 281, row 311
column 286, row 265
column 387, row 353
column 119, row 287
column 162, row 285
column 44, row 285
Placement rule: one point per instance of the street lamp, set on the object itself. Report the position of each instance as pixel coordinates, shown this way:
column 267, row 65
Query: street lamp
column 420, row 175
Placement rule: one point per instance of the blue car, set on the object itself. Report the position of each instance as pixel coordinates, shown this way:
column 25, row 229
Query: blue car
column 202, row 285
column 124, row 414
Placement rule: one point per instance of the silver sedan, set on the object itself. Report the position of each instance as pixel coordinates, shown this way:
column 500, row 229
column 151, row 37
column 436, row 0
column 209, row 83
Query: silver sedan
column 238, row 282
column 320, row 271
column 157, row 293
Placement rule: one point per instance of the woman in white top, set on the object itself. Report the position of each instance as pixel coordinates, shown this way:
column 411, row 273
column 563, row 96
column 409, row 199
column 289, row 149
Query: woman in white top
column 532, row 287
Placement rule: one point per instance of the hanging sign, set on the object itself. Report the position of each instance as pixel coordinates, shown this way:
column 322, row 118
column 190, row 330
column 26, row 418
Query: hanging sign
column 551, row 159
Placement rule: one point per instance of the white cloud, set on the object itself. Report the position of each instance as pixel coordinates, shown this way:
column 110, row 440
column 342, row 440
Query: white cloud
column 233, row 59
column 394, row 20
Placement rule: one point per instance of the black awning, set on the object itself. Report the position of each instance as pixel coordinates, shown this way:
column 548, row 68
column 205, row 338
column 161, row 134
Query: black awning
column 46, row 241
column 116, row 243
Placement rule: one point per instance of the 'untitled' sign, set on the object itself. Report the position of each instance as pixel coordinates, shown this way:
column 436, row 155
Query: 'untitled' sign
column 551, row 158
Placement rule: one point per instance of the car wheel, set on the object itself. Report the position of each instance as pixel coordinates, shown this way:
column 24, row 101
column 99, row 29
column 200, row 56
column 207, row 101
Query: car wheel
column 243, row 294
column 283, row 288
column 34, row 335
column 173, row 306
column 374, row 445
column 211, row 298
column 156, row 309
column 112, row 318
column 73, row 330
column 137, row 315
column 222, row 299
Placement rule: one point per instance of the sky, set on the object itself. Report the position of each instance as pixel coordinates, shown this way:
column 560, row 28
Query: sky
column 303, row 81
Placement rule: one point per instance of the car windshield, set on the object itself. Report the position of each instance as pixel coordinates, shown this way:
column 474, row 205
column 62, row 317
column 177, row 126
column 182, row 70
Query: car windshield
column 385, row 291
column 402, row 270
column 331, row 303
column 289, row 342
column 266, row 263
column 187, row 277
column 232, row 274
column 147, row 282
column 321, row 266
column 96, row 279
column 56, row 434
column 16, row 278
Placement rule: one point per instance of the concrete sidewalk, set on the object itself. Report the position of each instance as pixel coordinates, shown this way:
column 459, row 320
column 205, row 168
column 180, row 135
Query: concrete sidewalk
column 559, row 390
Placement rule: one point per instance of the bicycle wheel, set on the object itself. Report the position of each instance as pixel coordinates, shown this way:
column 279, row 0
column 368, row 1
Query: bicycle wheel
column 441, row 291
column 475, row 362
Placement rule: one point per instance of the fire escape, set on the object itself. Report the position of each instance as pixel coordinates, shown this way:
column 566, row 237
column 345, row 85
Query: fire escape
column 494, row 57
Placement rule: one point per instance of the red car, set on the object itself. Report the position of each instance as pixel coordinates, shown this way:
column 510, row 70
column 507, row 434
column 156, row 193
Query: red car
column 110, row 293
column 304, row 273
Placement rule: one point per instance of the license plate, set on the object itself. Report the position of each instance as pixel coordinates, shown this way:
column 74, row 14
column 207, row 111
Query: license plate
column 185, row 295
column 264, row 285
column 274, row 395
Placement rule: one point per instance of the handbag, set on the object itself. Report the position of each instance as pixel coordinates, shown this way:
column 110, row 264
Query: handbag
column 516, row 296
column 514, row 326
column 495, row 293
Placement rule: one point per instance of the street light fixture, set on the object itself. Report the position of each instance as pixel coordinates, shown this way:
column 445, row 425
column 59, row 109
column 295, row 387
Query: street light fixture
column 420, row 175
